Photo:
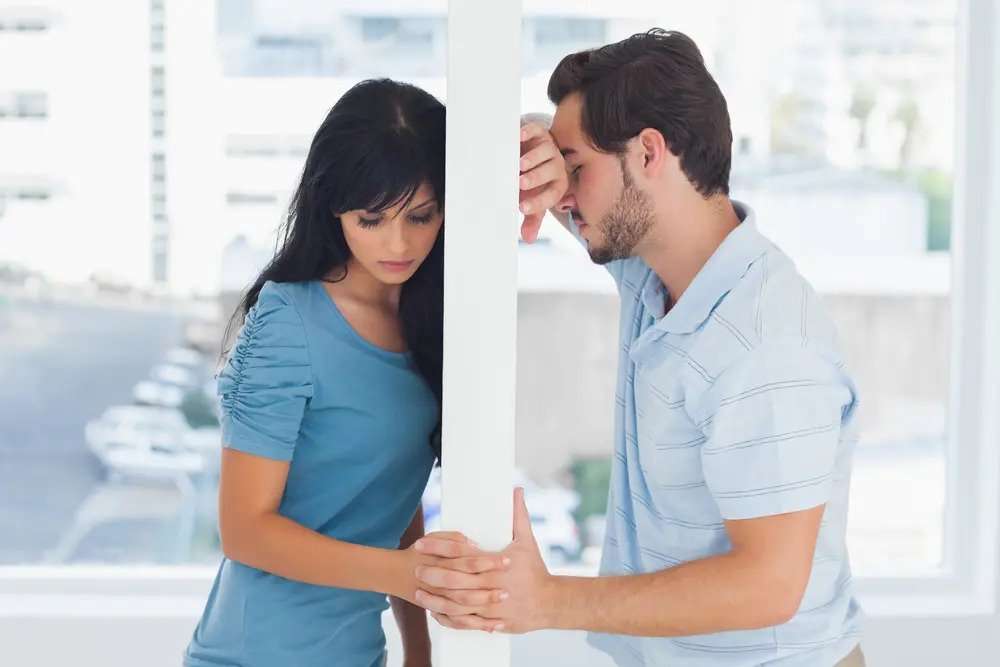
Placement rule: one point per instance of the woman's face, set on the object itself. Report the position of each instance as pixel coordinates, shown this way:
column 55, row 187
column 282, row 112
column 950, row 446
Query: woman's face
column 392, row 244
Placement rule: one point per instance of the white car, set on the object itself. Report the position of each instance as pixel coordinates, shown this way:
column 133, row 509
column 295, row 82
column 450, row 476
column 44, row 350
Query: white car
column 133, row 438
column 148, row 392
column 185, row 357
column 178, row 376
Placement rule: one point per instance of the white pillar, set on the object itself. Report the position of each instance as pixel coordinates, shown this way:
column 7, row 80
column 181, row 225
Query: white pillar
column 480, row 293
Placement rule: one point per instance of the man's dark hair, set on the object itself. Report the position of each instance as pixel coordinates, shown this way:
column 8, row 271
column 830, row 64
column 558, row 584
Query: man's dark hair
column 657, row 80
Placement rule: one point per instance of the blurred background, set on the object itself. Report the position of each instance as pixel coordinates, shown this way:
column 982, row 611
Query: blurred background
column 147, row 154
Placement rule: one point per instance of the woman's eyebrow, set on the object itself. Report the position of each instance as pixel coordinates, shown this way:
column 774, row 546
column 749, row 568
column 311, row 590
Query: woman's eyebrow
column 420, row 206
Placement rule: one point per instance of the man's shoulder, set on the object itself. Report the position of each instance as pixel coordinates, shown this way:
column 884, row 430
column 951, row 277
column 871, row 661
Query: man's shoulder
column 773, row 302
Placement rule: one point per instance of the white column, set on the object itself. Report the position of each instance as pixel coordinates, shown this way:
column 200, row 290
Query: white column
column 480, row 293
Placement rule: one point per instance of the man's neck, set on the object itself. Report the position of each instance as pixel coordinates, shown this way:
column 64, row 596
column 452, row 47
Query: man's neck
column 685, row 237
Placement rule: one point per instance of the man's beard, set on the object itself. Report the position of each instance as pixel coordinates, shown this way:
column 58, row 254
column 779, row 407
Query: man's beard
column 630, row 217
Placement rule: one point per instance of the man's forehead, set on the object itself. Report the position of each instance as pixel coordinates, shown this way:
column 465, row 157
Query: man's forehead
column 566, row 124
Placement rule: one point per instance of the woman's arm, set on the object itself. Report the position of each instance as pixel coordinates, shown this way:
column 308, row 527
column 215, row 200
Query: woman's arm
column 255, row 534
column 411, row 619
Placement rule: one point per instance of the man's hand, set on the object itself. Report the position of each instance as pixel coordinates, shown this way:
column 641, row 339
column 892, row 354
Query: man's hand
column 543, row 180
column 515, row 599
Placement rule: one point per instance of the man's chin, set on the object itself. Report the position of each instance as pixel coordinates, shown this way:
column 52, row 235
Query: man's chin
column 600, row 256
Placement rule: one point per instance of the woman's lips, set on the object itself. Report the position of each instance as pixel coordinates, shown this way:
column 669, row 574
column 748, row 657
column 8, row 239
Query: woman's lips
column 396, row 266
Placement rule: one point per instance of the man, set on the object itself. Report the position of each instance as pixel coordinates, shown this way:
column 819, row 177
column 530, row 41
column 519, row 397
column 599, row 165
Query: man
column 734, row 413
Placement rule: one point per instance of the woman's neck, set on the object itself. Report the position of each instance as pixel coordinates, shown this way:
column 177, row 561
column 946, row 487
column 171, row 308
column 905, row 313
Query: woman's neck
column 360, row 285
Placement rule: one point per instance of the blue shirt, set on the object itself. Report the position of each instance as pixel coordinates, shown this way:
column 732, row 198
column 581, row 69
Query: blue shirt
column 355, row 421
column 732, row 404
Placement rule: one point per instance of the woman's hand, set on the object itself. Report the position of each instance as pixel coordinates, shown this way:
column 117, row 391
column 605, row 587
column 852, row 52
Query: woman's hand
column 453, row 551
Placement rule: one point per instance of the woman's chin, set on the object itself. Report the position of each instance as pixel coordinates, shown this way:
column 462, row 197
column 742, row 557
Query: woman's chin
column 394, row 277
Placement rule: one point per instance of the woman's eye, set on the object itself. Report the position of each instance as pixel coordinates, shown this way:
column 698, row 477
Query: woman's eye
column 369, row 222
column 420, row 219
column 576, row 172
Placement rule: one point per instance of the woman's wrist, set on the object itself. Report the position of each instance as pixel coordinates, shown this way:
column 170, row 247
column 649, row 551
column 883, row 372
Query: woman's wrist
column 400, row 575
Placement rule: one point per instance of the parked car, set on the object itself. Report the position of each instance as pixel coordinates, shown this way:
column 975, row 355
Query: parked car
column 148, row 392
column 185, row 357
column 177, row 376
column 133, row 439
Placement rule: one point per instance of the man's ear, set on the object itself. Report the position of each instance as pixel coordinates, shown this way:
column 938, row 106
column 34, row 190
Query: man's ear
column 654, row 152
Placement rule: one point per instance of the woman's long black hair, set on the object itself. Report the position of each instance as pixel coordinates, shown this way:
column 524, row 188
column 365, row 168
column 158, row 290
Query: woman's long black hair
column 378, row 144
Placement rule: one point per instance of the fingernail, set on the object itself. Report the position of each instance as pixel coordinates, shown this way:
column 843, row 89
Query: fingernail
column 419, row 595
column 526, row 208
column 498, row 627
column 504, row 595
column 506, row 561
column 418, row 545
column 523, row 181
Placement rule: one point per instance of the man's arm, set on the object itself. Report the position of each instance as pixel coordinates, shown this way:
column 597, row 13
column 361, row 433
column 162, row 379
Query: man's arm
column 758, row 583
column 786, row 399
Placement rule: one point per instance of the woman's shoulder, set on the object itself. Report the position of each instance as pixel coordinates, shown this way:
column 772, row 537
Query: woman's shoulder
column 284, row 294
column 276, row 317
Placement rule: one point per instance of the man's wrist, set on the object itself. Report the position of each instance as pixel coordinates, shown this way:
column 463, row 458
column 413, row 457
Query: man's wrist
column 560, row 597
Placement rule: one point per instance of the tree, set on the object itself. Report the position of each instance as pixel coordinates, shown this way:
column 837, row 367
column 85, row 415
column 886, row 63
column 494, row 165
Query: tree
column 862, row 104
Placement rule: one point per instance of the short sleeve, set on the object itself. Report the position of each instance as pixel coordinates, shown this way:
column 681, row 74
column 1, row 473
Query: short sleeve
column 267, row 380
column 772, row 425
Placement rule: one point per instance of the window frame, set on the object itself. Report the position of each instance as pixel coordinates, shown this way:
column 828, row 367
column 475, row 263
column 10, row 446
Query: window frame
column 968, row 584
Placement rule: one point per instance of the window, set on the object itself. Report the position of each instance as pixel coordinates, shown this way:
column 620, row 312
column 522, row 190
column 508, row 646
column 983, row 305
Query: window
column 30, row 105
column 847, row 164
column 24, row 20
column 546, row 39
column 240, row 198
column 845, row 112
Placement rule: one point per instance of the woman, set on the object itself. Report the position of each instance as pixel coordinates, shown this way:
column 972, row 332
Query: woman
column 331, row 400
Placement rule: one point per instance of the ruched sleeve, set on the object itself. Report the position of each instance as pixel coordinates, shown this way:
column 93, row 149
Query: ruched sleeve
column 266, row 383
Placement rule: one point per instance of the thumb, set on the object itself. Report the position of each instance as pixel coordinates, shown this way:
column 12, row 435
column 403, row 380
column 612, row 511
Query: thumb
column 522, row 520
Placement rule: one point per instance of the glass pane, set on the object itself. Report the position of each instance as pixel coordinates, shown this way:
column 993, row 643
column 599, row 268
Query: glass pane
column 843, row 138
column 844, row 112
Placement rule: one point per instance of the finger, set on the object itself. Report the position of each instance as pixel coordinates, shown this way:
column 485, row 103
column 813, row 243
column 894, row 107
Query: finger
column 445, row 548
column 443, row 605
column 522, row 520
column 531, row 226
column 444, row 620
column 445, row 578
column 551, row 171
column 480, row 600
column 543, row 152
column 543, row 200
column 468, row 622
column 453, row 535
column 476, row 564
column 531, row 131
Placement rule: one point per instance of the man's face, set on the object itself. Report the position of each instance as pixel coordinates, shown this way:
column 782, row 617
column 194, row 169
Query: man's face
column 612, row 212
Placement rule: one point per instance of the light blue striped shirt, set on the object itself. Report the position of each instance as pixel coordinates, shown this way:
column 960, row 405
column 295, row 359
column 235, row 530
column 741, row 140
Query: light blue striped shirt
column 733, row 404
